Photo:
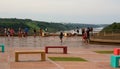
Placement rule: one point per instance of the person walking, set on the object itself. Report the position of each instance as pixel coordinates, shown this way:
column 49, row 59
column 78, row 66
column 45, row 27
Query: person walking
column 61, row 36
column 84, row 37
column 88, row 34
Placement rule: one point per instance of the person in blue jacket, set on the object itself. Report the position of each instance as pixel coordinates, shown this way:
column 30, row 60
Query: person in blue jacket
column 26, row 32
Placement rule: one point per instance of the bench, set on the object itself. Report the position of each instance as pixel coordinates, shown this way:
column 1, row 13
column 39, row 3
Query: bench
column 64, row 48
column 43, row 55
column 2, row 46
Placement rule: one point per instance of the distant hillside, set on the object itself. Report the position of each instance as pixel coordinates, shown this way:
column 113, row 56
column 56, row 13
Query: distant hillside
column 22, row 23
column 31, row 24
column 115, row 27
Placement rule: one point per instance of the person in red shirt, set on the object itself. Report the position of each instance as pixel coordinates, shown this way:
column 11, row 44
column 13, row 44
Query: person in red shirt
column 12, row 32
column 84, row 37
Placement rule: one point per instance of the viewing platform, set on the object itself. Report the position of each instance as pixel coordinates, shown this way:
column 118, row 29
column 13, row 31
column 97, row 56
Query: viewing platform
column 75, row 49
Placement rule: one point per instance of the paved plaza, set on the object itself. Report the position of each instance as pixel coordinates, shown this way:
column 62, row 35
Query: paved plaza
column 76, row 48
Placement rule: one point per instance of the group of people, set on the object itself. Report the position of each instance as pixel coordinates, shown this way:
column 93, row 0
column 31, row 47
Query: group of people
column 35, row 32
column 86, row 33
column 21, row 32
column 9, row 32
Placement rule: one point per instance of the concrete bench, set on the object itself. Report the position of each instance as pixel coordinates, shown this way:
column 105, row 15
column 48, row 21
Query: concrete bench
column 64, row 48
column 43, row 55
column 2, row 46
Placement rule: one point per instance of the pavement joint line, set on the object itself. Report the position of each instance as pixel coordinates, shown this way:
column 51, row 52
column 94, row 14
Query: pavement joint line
column 99, row 61
column 79, row 53
column 9, row 60
column 60, row 67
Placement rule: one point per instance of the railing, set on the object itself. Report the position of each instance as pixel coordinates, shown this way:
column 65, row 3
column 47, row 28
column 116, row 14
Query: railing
column 114, row 34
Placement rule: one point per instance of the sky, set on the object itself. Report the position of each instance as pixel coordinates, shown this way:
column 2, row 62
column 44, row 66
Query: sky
column 65, row 11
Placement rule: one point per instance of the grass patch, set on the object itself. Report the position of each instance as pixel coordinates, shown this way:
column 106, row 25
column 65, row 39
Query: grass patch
column 67, row 59
column 104, row 52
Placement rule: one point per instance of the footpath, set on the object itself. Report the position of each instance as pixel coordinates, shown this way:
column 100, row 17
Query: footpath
column 75, row 49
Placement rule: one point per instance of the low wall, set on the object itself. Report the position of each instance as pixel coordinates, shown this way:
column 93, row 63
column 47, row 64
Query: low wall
column 104, row 41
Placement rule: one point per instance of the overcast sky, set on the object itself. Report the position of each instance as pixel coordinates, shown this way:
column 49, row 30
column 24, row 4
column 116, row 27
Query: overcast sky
column 73, row 11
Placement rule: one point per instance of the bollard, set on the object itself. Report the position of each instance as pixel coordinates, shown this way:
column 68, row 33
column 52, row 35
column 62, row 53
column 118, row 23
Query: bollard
column 116, row 51
column 115, row 61
column 2, row 46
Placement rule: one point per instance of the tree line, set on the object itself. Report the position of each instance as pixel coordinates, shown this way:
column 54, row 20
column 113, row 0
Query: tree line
column 32, row 24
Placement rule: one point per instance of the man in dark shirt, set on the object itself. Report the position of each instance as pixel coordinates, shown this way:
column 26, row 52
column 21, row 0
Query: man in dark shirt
column 88, row 34
column 61, row 36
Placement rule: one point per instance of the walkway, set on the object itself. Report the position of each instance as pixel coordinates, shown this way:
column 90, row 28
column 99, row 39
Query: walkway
column 75, row 49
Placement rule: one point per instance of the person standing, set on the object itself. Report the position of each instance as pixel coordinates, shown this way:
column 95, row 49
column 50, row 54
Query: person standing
column 91, row 31
column 5, row 32
column 41, row 31
column 83, row 31
column 20, row 32
column 12, row 32
column 84, row 37
column 77, row 30
column 8, row 32
column 26, row 32
column 35, row 32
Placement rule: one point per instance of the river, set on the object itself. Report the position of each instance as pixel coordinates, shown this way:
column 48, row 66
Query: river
column 95, row 30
